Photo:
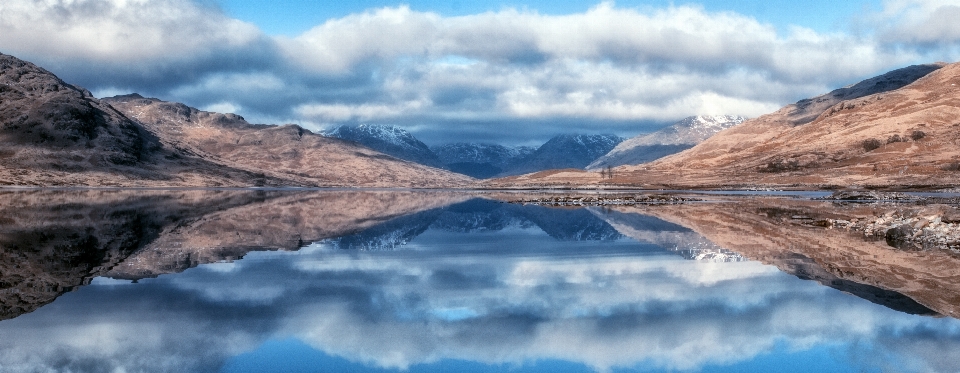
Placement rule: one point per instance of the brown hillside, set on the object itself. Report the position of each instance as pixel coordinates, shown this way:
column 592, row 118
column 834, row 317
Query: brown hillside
column 285, row 152
column 897, row 130
column 54, row 133
column 905, row 137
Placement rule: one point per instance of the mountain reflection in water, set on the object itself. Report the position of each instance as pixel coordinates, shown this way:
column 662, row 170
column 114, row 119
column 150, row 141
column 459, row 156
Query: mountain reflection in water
column 414, row 280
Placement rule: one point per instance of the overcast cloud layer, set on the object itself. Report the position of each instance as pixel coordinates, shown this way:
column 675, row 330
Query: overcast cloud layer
column 610, row 69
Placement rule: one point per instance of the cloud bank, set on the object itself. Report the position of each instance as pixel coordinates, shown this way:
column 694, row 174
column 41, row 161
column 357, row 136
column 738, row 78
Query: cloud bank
column 397, row 310
column 609, row 69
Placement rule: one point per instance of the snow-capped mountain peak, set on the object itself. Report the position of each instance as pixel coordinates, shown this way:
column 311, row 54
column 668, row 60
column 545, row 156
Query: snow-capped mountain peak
column 566, row 151
column 386, row 139
column 497, row 155
column 679, row 136
column 384, row 133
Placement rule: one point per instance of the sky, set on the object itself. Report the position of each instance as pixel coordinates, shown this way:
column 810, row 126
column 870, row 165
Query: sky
column 511, row 72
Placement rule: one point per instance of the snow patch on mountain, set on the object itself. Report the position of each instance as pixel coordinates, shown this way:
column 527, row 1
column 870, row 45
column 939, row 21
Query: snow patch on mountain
column 496, row 155
column 391, row 140
column 566, row 151
column 480, row 160
column 679, row 136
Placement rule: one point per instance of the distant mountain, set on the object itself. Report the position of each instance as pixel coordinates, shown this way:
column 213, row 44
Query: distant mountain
column 480, row 160
column 390, row 140
column 286, row 152
column 565, row 151
column 678, row 137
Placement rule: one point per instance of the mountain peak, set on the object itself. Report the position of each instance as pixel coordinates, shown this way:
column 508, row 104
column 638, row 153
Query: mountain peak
column 675, row 138
column 46, row 123
column 711, row 121
column 388, row 139
column 807, row 110
column 387, row 132
column 566, row 151
column 478, row 159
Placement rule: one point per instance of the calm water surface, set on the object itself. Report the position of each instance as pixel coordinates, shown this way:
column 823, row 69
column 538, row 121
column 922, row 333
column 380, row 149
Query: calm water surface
column 239, row 281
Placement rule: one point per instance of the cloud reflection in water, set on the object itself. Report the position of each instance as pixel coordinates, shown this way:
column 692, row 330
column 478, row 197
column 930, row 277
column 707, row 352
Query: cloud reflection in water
column 457, row 294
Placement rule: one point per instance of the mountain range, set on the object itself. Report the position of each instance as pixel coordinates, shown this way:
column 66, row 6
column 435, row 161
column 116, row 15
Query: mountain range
column 481, row 160
column 897, row 130
column 54, row 133
column 565, row 151
column 391, row 140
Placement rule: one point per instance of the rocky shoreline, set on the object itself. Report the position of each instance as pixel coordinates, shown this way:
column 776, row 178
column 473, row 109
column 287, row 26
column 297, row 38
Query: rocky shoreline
column 906, row 232
column 611, row 200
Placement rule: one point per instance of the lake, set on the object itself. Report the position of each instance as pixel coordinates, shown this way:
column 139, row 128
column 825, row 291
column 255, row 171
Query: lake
column 489, row 281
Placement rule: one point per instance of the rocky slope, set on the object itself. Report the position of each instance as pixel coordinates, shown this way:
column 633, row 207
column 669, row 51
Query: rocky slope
column 54, row 133
column 566, row 151
column 286, row 152
column 884, row 136
column 898, row 130
column 390, row 140
column 480, row 160
column 678, row 137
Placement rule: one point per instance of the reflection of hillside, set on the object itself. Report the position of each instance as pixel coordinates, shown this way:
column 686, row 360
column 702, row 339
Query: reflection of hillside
column 681, row 240
column 285, row 223
column 53, row 241
column 839, row 259
column 388, row 235
column 808, row 269
column 480, row 215
column 573, row 224
column 569, row 224
column 475, row 215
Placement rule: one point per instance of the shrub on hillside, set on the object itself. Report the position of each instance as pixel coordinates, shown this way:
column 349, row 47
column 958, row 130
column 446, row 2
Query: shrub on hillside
column 895, row 138
column 871, row 144
column 780, row 165
column 917, row 135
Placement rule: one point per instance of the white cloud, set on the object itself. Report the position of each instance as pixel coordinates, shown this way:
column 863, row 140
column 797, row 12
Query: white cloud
column 920, row 21
column 397, row 65
column 119, row 31
column 205, row 317
column 222, row 107
column 332, row 113
column 339, row 44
